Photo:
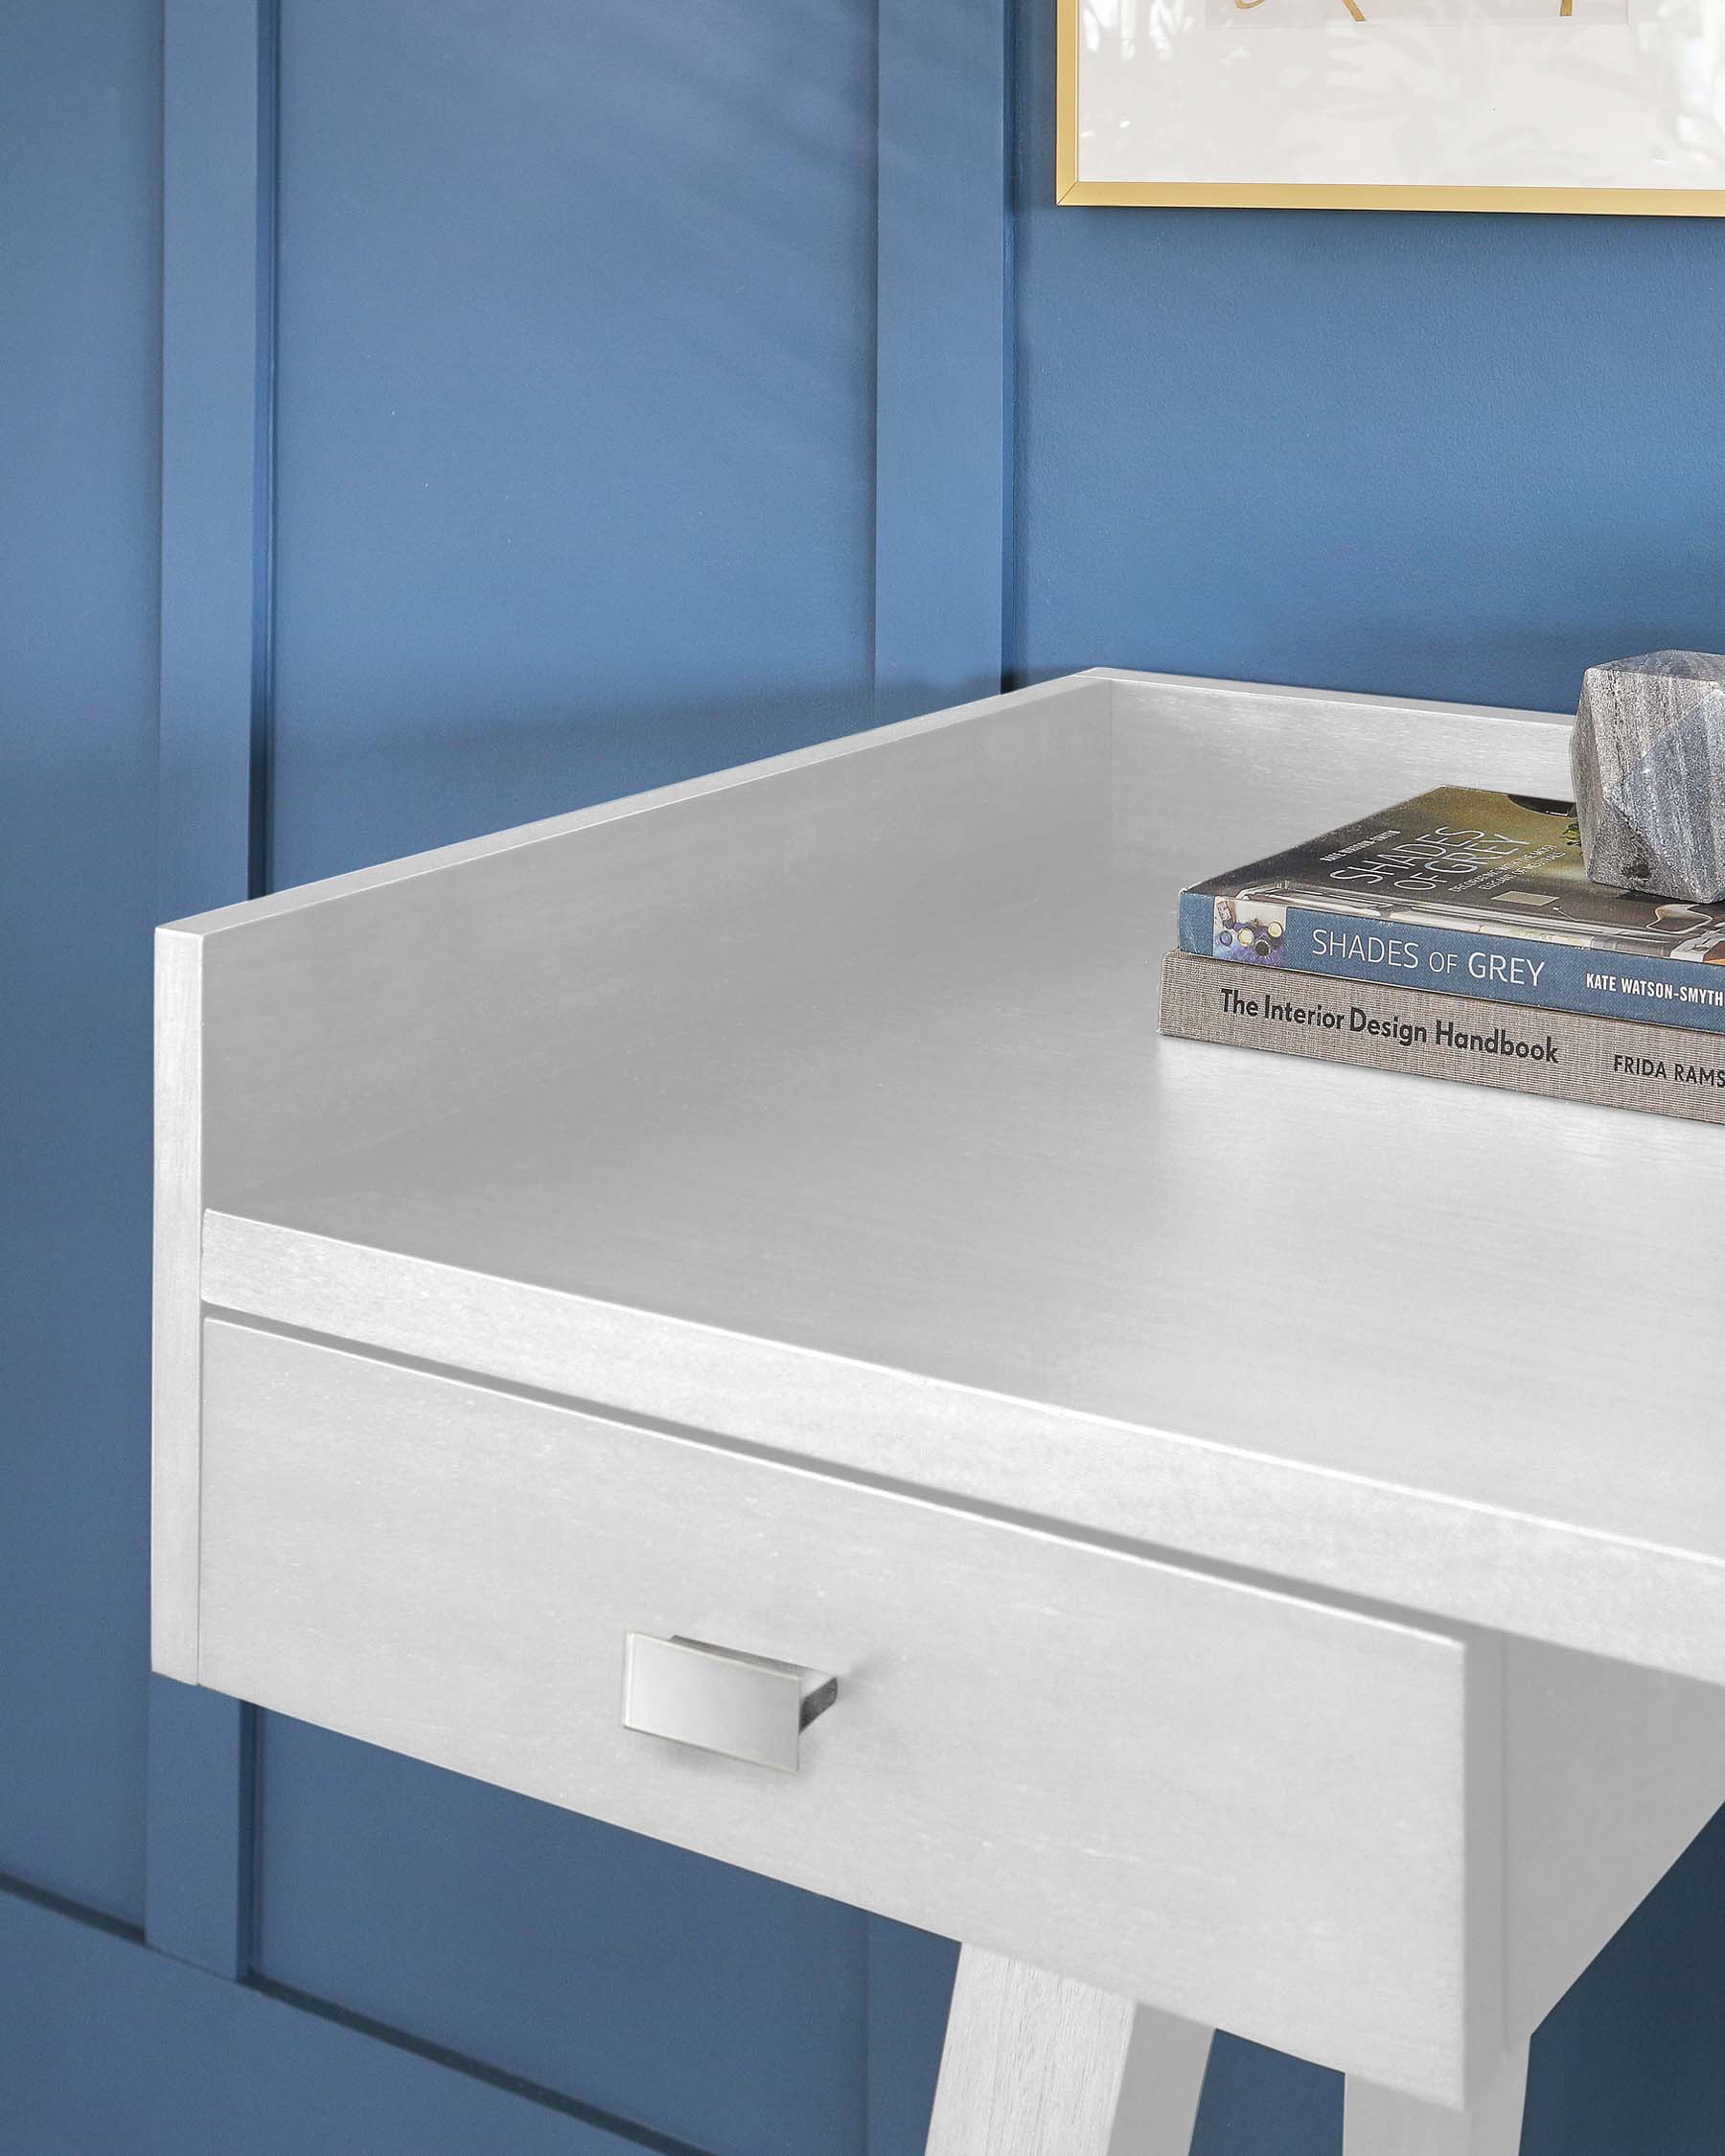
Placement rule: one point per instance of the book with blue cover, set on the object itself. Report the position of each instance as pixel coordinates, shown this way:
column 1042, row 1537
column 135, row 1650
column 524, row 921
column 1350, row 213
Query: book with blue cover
column 1470, row 893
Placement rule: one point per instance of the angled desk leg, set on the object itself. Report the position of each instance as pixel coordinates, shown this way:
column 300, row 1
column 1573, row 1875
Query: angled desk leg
column 1037, row 2065
column 1376, row 2122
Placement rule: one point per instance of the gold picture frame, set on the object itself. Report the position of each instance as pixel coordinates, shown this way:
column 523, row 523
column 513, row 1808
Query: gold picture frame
column 1543, row 202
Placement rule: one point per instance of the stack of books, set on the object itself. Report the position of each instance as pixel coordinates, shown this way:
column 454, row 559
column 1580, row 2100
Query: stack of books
column 1457, row 936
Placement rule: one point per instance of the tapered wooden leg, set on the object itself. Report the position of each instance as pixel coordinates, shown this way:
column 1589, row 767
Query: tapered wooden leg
column 1380, row 2124
column 1032, row 2064
column 1036, row 2065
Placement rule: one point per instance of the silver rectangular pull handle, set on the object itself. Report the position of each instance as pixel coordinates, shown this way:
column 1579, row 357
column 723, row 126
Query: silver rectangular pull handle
column 743, row 1707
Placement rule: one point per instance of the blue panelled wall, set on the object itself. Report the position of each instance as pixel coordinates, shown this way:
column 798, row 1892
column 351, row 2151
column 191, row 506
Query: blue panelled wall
column 424, row 415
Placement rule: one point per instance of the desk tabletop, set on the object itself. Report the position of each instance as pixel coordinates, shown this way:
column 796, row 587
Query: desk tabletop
column 934, row 1204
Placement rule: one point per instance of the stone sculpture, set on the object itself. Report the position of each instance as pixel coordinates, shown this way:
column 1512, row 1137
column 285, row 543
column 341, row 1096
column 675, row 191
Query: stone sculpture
column 1648, row 760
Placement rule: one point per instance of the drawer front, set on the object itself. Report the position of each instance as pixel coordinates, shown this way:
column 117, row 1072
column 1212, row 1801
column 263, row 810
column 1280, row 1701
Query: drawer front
column 1237, row 1804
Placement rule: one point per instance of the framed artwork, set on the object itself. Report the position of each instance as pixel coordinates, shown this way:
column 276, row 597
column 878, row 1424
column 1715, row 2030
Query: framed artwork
column 1592, row 106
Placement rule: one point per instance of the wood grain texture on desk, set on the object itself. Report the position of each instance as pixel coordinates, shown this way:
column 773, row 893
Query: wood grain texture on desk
column 900, row 1177
column 1249, row 1807
column 1033, row 2064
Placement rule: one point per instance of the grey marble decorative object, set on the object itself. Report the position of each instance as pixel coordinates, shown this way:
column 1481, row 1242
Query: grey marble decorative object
column 1648, row 760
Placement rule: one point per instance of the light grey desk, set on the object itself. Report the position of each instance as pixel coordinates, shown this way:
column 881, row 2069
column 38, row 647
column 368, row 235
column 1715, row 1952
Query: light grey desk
column 1266, row 1523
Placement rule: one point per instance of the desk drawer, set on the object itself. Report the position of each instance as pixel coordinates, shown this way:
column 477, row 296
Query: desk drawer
column 1241, row 1805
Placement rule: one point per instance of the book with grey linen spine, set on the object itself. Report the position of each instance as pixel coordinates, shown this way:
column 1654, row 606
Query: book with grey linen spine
column 1564, row 1055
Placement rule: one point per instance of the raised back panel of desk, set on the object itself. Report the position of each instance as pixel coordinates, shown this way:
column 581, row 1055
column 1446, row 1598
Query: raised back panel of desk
column 1254, row 768
column 303, row 1025
column 345, row 1011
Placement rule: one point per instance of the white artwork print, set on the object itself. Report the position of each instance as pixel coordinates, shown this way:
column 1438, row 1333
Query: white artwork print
column 1322, row 15
column 1422, row 94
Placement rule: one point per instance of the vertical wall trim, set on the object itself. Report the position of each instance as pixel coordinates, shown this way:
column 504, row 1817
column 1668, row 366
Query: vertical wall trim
column 218, row 193
column 1010, row 677
column 218, row 312
column 260, row 877
column 943, row 421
